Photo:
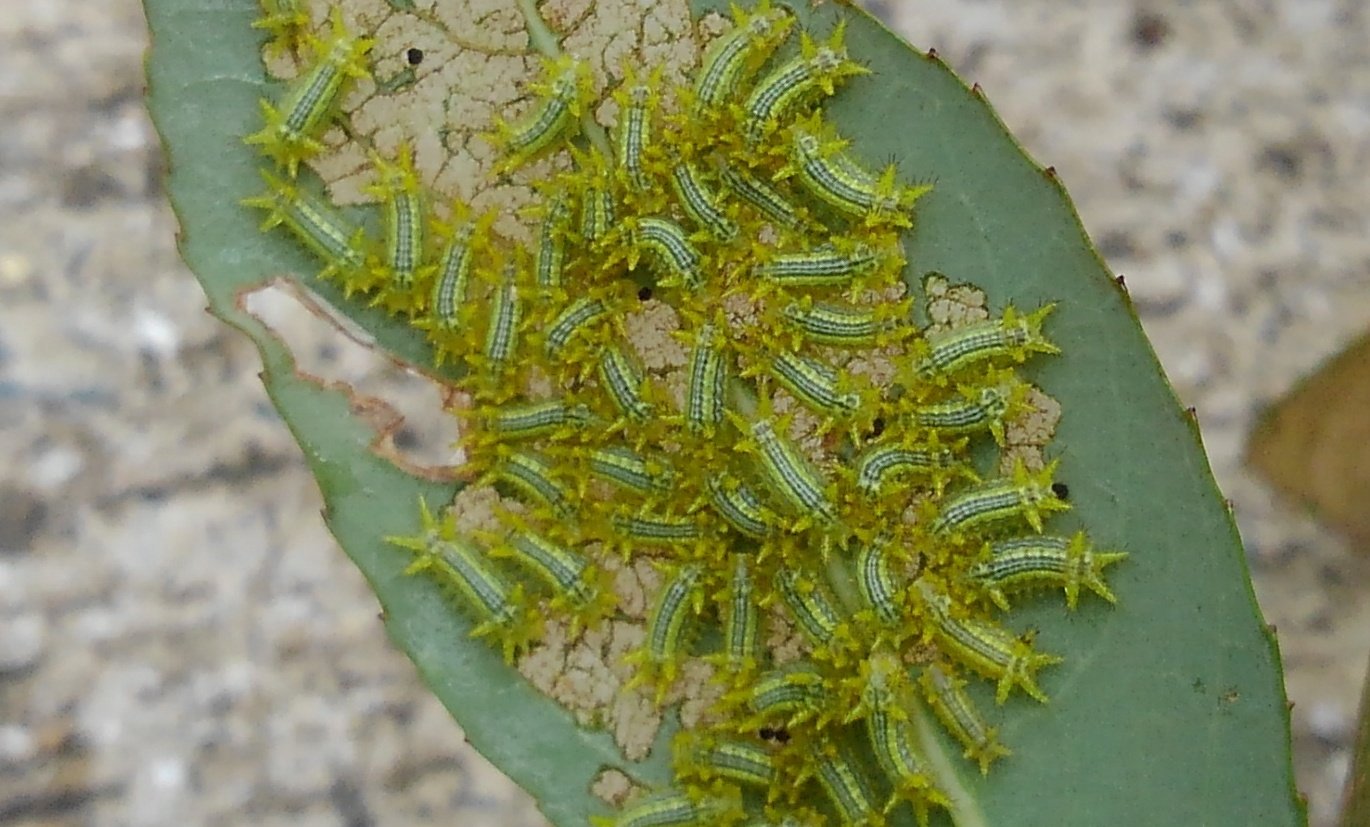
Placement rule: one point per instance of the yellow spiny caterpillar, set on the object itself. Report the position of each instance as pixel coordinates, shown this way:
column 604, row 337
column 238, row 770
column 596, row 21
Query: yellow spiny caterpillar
column 293, row 125
column 792, row 453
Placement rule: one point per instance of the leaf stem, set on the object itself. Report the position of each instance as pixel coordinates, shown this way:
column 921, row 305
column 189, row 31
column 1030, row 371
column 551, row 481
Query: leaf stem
column 965, row 810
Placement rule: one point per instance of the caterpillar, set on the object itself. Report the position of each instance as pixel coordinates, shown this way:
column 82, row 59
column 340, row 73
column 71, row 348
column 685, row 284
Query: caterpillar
column 631, row 471
column 707, row 376
column 709, row 758
column 741, row 621
column 753, row 38
column 1023, row 563
column 636, row 102
column 1012, row 338
column 293, row 125
column 791, row 478
column 768, row 200
column 830, row 265
column 791, row 695
column 668, row 808
column 844, row 326
column 622, row 379
column 666, row 244
column 700, row 203
column 949, row 701
column 979, row 408
column 1023, row 496
column 532, row 420
column 458, row 566
column 813, row 608
column 316, row 224
column 740, row 506
column 846, row 787
column 987, row 648
column 828, row 173
column 534, row 475
column 815, row 70
column 668, row 625
column 563, row 94
column 400, row 195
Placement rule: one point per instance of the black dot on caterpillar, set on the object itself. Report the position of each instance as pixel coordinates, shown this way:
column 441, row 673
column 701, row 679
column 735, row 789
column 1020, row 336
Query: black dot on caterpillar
column 1061, row 490
column 644, row 293
column 414, row 56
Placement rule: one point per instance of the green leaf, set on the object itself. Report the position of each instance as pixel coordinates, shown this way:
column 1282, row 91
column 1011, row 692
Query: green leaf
column 1169, row 709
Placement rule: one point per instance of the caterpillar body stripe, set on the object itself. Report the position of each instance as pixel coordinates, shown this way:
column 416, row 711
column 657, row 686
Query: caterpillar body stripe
column 634, row 131
column 700, row 203
column 669, row 624
column 597, row 211
column 752, row 40
column 452, row 282
column 978, row 409
column 622, row 378
column 580, row 315
column 667, row 808
column 533, row 420
column 791, row 478
column 1025, row 496
column 400, row 194
column 506, row 319
column 876, row 582
column 812, row 606
column 670, row 249
column 770, row 201
column 986, row 647
column 740, row 506
column 827, row 266
column 555, row 565
column 291, row 133
column 1011, row 338
column 1024, row 563
column 535, row 476
column 550, row 261
column 741, row 620
column 710, row 758
column 878, row 466
column 815, row 384
column 315, row 223
column 657, row 529
column 815, row 70
column 791, row 695
column 631, row 471
column 949, row 701
column 563, row 94
column 828, row 173
column 707, row 377
column 894, row 743
column 459, row 567
column 846, row 787
column 838, row 325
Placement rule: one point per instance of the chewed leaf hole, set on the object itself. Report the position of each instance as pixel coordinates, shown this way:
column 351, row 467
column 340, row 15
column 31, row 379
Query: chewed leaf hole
column 405, row 407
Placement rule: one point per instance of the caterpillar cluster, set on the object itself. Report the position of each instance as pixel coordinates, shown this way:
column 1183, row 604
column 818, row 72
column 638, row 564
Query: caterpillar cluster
column 807, row 461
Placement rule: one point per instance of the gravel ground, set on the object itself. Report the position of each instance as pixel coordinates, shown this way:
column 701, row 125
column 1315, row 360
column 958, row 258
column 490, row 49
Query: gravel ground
column 183, row 644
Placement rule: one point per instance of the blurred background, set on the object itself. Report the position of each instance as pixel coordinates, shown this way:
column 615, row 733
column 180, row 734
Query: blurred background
column 182, row 643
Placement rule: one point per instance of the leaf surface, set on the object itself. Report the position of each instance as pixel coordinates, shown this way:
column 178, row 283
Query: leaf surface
column 1169, row 709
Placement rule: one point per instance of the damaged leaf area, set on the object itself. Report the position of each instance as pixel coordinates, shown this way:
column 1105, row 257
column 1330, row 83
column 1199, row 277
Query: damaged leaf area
column 757, row 507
